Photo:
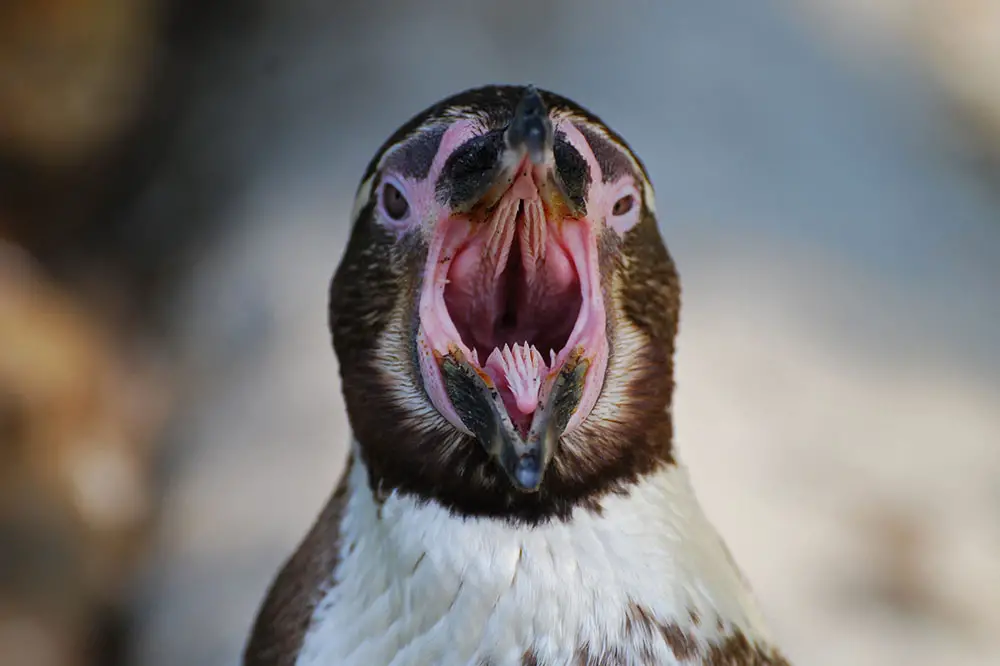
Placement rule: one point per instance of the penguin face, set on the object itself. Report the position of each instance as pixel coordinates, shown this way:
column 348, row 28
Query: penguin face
column 505, row 312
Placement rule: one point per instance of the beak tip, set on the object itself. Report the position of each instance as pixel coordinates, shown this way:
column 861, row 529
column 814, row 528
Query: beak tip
column 528, row 472
column 531, row 127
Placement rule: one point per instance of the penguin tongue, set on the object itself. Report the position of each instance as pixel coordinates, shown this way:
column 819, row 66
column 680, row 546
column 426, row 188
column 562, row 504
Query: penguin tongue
column 518, row 373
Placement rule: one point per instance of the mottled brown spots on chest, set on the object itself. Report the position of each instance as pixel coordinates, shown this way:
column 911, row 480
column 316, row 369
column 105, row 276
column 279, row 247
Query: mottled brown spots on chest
column 610, row 656
column 734, row 649
column 643, row 628
column 683, row 643
column 737, row 650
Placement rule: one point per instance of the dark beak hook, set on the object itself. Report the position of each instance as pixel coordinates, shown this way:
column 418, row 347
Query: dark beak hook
column 531, row 127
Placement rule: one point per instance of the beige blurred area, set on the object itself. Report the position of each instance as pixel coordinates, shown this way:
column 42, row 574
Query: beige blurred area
column 175, row 182
column 956, row 41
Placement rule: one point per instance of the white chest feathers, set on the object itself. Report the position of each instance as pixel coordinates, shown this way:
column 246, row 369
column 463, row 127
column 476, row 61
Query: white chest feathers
column 648, row 582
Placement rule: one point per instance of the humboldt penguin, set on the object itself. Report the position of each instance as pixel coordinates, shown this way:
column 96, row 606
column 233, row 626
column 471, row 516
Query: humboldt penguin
column 504, row 316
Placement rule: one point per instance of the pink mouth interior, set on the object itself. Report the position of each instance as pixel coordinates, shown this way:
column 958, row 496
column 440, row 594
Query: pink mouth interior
column 517, row 294
column 515, row 308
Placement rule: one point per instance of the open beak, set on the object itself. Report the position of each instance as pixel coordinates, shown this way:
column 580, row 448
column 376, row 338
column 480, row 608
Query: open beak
column 512, row 274
column 523, row 457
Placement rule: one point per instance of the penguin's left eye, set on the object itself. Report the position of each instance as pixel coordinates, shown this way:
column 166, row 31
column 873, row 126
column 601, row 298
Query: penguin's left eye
column 394, row 203
column 625, row 210
column 623, row 205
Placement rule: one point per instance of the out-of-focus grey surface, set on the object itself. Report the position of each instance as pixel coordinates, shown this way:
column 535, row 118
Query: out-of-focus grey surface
column 839, row 400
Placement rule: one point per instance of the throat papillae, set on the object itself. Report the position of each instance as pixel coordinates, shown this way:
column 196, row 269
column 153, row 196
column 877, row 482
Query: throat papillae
column 514, row 296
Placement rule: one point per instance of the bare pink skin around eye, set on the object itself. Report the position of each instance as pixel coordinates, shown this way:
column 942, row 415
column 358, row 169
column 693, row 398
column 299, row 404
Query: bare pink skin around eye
column 602, row 196
column 425, row 210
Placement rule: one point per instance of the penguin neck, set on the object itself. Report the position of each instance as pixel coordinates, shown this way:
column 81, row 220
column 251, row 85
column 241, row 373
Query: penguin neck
column 647, row 574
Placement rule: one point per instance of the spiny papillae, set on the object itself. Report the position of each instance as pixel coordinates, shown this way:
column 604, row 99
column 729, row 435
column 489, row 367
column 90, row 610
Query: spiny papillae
column 504, row 316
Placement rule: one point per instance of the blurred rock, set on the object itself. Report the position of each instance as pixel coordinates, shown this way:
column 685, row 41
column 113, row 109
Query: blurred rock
column 899, row 575
column 70, row 72
column 27, row 640
column 78, row 419
column 93, row 97
column 956, row 41
column 83, row 97
column 961, row 41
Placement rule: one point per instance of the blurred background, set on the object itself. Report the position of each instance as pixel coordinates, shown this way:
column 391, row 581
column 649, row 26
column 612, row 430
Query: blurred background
column 175, row 181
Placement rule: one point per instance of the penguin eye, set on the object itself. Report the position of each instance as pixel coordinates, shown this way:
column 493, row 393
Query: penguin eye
column 625, row 211
column 623, row 205
column 394, row 203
